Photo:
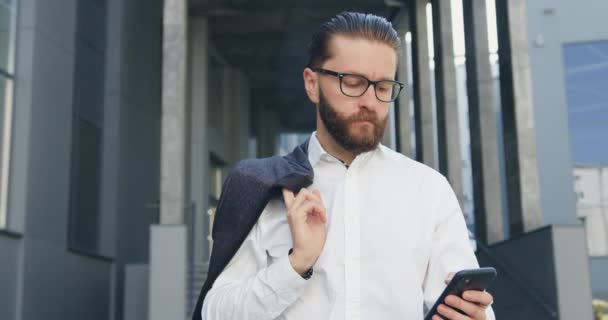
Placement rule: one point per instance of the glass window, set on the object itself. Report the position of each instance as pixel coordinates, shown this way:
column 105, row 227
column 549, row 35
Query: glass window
column 586, row 72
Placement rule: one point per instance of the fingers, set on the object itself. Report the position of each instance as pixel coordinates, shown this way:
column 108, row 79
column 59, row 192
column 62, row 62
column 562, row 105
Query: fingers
column 304, row 194
column 480, row 297
column 305, row 201
column 471, row 309
column 449, row 313
column 288, row 197
column 313, row 207
column 473, row 304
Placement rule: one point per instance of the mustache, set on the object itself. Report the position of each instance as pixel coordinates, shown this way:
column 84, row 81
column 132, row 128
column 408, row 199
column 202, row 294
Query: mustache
column 364, row 115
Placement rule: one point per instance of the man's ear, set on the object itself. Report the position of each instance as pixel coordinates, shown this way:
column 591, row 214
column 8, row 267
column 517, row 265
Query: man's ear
column 311, row 85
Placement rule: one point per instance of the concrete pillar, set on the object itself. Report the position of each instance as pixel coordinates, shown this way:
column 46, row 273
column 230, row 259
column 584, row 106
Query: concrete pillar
column 168, row 257
column 518, row 117
column 168, row 241
column 448, row 128
column 423, row 105
column 173, row 126
column 402, row 105
column 199, row 147
column 482, row 125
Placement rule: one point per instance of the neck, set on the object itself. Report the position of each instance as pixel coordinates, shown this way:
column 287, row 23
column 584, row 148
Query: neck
column 332, row 147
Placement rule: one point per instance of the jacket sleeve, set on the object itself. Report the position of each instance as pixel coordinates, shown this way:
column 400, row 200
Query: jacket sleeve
column 250, row 287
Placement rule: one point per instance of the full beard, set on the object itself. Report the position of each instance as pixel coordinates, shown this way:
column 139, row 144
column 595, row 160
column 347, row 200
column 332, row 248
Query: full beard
column 350, row 135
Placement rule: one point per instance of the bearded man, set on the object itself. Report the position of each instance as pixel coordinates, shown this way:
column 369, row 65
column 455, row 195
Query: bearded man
column 374, row 235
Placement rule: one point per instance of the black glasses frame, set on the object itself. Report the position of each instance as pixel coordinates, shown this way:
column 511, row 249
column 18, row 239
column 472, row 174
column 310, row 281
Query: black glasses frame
column 341, row 76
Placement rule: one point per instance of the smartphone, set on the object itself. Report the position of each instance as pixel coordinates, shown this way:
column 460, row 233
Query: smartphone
column 464, row 280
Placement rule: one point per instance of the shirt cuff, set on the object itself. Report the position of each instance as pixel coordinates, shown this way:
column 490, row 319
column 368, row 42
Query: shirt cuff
column 287, row 283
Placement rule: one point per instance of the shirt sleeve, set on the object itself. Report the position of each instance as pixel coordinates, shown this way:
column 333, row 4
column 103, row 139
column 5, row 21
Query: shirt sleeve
column 252, row 288
column 451, row 249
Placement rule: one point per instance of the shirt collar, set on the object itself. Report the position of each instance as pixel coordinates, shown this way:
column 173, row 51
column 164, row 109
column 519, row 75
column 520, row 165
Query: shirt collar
column 316, row 152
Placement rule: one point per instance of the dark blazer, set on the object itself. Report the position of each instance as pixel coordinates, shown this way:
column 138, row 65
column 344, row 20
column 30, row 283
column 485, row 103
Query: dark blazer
column 246, row 191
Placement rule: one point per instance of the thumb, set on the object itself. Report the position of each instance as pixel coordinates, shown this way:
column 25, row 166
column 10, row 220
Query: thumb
column 288, row 197
column 448, row 278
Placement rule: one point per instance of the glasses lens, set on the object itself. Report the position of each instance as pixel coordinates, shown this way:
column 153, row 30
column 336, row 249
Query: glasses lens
column 387, row 91
column 353, row 85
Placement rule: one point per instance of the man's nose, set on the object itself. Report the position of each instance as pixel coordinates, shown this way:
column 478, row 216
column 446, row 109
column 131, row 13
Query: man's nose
column 368, row 99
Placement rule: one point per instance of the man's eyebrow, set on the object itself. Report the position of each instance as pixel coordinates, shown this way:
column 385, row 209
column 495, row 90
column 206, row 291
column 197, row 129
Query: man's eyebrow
column 360, row 74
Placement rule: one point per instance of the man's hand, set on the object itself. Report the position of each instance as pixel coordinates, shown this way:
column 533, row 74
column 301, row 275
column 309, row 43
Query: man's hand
column 306, row 216
column 473, row 303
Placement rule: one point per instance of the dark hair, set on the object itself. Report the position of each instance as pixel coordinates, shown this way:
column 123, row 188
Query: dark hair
column 352, row 24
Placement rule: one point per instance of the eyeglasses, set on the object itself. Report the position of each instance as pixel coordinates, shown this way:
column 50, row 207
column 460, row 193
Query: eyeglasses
column 354, row 85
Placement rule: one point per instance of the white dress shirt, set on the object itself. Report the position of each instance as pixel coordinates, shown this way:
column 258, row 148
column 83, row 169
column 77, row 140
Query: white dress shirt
column 394, row 232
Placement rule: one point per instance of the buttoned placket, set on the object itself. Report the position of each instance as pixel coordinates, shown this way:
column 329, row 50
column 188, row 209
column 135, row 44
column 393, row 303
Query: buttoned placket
column 352, row 244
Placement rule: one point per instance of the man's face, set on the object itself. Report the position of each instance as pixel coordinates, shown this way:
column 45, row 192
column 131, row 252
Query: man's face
column 357, row 133
column 357, row 124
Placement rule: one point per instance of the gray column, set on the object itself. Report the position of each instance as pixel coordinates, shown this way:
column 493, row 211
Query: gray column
column 199, row 148
column 423, row 105
column 482, row 125
column 168, row 257
column 402, row 105
column 168, row 241
column 448, row 128
column 173, row 124
column 518, row 117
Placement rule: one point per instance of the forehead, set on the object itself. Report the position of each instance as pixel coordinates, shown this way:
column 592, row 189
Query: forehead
column 374, row 59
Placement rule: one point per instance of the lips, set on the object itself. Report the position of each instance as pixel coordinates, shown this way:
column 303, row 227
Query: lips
column 363, row 121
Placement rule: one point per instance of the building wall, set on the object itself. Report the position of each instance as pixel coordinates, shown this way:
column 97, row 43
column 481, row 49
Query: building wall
column 50, row 274
column 60, row 63
column 551, row 24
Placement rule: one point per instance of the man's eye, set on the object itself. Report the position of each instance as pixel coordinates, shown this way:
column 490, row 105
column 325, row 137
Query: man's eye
column 383, row 87
column 352, row 82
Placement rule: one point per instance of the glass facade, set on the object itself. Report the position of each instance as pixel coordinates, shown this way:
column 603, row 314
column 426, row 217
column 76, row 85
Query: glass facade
column 586, row 73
